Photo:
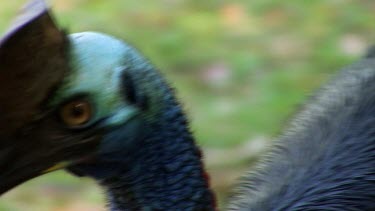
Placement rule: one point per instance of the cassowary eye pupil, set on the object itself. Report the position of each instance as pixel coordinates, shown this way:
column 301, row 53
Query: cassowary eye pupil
column 77, row 110
column 76, row 113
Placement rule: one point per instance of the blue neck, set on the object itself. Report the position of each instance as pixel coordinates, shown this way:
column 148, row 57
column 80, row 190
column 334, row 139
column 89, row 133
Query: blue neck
column 159, row 169
column 165, row 174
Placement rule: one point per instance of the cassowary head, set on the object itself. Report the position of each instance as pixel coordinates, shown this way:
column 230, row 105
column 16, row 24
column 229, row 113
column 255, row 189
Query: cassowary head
column 61, row 94
column 92, row 104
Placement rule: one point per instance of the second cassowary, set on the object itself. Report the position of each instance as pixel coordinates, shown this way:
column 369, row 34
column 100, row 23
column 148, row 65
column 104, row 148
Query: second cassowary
column 112, row 117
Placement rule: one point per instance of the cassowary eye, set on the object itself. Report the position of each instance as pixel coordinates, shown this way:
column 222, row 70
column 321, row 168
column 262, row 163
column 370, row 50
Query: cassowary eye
column 76, row 113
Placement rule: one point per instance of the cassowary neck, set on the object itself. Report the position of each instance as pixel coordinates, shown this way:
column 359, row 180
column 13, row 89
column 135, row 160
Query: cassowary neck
column 163, row 171
column 151, row 162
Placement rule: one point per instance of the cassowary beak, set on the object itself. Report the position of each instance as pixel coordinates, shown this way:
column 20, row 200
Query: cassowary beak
column 16, row 168
column 32, row 63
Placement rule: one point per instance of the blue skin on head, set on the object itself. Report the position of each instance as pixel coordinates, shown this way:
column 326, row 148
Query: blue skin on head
column 97, row 61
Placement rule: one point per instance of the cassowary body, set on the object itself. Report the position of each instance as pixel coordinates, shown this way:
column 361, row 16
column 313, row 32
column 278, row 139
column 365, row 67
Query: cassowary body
column 326, row 158
column 146, row 157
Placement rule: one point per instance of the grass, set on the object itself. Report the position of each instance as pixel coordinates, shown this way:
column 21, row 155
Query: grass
column 240, row 67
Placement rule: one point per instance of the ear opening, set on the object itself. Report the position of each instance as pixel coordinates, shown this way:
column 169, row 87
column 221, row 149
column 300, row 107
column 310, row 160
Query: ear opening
column 130, row 91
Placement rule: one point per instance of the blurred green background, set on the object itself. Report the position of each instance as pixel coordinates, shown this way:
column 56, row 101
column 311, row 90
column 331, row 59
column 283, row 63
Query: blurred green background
column 240, row 68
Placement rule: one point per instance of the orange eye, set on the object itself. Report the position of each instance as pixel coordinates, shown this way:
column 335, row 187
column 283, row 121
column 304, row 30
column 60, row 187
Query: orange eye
column 76, row 113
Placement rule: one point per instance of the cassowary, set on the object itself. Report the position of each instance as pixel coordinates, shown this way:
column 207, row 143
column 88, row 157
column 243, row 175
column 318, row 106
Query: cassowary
column 106, row 113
